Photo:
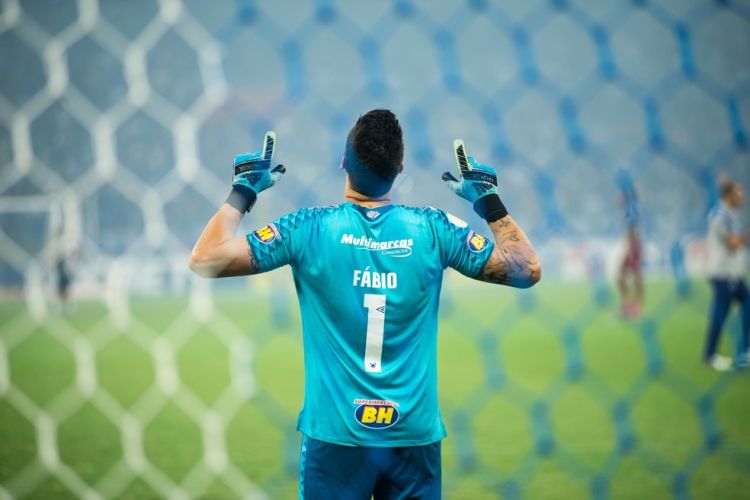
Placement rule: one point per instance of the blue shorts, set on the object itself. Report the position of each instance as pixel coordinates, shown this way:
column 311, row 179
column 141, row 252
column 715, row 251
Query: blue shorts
column 359, row 473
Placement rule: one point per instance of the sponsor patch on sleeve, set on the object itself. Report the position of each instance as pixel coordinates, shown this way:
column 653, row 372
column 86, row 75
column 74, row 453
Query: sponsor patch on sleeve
column 476, row 242
column 267, row 234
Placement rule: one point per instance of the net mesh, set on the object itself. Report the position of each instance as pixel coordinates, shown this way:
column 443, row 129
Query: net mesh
column 117, row 124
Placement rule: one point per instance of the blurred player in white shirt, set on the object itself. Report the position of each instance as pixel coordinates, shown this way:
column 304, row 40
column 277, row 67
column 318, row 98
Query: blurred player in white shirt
column 727, row 266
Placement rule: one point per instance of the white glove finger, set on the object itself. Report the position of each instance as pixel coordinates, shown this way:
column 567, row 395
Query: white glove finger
column 269, row 145
column 459, row 150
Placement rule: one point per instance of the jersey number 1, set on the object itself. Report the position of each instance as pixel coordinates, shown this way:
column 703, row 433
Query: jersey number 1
column 375, row 305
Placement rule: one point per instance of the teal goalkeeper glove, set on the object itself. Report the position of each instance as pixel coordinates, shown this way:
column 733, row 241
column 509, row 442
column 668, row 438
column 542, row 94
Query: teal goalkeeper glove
column 253, row 174
column 476, row 183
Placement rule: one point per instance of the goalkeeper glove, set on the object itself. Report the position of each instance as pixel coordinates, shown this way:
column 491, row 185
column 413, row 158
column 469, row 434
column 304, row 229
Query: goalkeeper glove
column 476, row 183
column 253, row 174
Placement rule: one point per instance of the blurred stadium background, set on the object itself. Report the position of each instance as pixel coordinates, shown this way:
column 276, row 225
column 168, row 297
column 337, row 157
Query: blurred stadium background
column 118, row 123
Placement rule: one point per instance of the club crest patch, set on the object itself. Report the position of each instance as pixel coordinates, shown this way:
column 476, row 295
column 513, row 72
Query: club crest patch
column 266, row 234
column 476, row 242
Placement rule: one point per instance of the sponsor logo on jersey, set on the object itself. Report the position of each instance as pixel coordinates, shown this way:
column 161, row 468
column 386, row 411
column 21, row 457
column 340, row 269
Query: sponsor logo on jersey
column 266, row 234
column 394, row 248
column 376, row 413
column 373, row 214
column 476, row 242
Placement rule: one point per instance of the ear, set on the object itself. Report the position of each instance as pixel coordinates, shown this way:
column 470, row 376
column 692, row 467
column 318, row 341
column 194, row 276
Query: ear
column 401, row 167
column 342, row 166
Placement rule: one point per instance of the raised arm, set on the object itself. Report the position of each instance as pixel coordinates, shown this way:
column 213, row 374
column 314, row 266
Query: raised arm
column 513, row 261
column 218, row 252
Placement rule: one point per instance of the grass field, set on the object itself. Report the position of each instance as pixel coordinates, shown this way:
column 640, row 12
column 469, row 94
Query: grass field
column 546, row 394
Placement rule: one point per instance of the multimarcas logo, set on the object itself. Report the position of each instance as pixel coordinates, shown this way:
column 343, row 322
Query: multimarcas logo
column 394, row 248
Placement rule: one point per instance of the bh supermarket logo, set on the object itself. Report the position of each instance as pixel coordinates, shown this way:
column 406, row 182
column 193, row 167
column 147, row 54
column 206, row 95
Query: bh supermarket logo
column 376, row 414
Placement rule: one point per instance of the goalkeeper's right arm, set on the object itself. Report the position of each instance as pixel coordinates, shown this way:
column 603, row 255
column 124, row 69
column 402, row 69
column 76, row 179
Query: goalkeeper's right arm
column 513, row 261
column 218, row 252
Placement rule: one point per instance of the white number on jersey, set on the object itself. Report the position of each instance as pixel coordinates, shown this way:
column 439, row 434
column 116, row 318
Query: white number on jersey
column 375, row 305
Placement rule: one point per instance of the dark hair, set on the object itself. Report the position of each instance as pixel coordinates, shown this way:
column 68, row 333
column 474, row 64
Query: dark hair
column 727, row 186
column 374, row 152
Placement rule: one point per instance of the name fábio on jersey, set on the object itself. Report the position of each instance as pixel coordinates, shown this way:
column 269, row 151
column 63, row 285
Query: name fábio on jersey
column 394, row 248
column 376, row 413
column 373, row 279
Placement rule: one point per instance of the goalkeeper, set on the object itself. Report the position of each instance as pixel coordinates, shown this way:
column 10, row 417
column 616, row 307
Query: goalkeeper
column 368, row 275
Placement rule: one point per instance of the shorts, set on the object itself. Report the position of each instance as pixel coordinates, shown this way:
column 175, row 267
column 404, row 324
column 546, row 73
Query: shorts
column 359, row 473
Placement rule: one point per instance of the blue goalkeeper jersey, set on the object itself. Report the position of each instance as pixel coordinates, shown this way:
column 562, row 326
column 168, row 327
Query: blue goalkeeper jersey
column 368, row 282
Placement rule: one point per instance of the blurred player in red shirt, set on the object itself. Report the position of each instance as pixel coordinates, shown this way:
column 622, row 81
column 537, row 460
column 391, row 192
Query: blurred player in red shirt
column 630, row 275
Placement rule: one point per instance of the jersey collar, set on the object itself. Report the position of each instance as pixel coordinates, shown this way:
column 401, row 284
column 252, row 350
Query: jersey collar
column 371, row 213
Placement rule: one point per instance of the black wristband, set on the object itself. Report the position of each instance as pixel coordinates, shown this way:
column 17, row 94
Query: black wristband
column 242, row 198
column 490, row 208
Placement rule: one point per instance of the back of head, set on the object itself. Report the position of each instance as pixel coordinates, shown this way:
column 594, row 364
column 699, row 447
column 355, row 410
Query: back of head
column 374, row 152
column 726, row 187
column 731, row 192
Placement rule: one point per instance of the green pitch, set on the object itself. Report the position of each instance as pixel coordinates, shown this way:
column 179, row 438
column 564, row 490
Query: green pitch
column 545, row 392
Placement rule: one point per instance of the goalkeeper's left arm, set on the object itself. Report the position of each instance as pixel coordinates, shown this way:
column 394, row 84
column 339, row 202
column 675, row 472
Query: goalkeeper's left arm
column 513, row 261
column 218, row 252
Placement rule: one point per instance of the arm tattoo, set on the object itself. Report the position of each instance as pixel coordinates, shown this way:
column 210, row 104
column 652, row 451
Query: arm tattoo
column 513, row 261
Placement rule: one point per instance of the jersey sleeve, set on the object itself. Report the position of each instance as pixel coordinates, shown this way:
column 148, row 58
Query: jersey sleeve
column 461, row 247
column 279, row 243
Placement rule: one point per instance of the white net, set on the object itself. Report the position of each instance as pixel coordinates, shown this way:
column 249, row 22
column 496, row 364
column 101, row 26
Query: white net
column 118, row 122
